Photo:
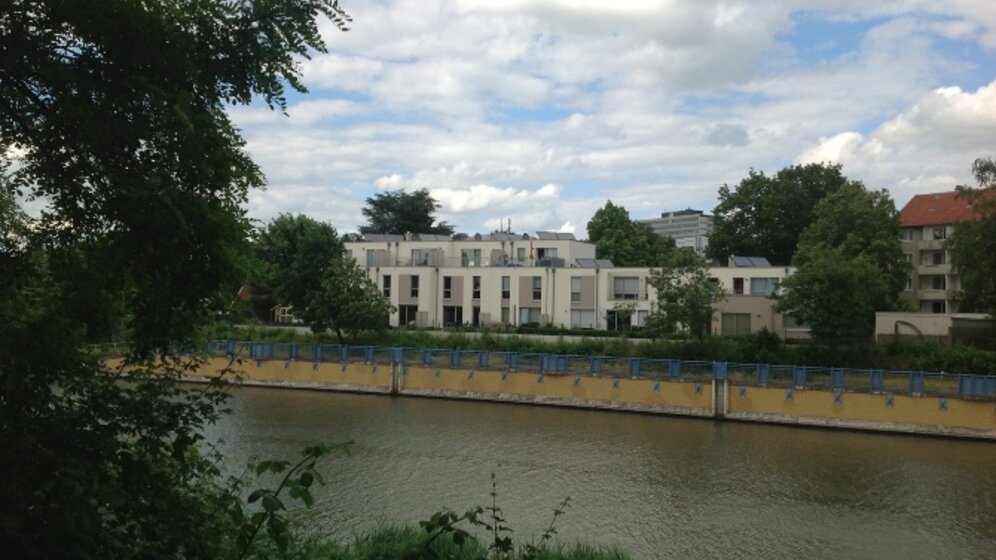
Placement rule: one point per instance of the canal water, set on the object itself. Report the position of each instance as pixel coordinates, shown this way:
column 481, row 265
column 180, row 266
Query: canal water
column 656, row 486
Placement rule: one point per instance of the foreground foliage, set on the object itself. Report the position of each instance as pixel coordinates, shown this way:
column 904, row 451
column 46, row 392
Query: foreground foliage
column 973, row 244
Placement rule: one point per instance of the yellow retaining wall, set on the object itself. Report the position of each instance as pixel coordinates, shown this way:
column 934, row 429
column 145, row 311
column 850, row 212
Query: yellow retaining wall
column 327, row 375
column 864, row 410
column 602, row 392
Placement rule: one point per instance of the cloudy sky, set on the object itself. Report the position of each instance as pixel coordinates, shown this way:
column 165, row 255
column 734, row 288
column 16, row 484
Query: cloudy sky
column 540, row 111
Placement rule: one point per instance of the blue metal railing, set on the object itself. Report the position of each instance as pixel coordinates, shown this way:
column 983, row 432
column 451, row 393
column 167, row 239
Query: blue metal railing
column 958, row 385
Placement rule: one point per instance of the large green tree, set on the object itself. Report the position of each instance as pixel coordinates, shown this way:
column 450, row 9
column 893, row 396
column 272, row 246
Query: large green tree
column 624, row 241
column 686, row 296
column 765, row 216
column 856, row 232
column 403, row 212
column 973, row 243
column 348, row 301
column 294, row 253
column 114, row 113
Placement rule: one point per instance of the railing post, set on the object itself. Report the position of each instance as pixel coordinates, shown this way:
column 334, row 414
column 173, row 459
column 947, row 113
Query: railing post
column 483, row 358
column 674, row 370
column 513, row 361
column 763, row 374
column 634, row 367
column 595, row 365
column 318, row 352
column 454, row 358
column 799, row 376
column 344, row 354
column 837, row 378
column 426, row 358
column 719, row 370
column 876, row 380
column 369, row 355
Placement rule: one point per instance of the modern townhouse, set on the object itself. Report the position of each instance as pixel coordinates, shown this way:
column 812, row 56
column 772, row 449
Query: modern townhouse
column 549, row 278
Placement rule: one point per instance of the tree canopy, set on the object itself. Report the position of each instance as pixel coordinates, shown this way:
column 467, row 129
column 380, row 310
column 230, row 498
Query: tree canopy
column 348, row 300
column 686, row 296
column 113, row 118
column 624, row 241
column 403, row 212
column 856, row 232
column 973, row 243
column 294, row 253
column 765, row 216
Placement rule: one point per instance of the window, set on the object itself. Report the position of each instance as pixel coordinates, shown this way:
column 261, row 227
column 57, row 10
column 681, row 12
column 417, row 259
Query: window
column 546, row 252
column 505, row 315
column 763, row 286
column 470, row 257
column 414, row 293
column 582, row 318
column 933, row 283
column 909, row 284
column 387, row 285
column 738, row 285
column 529, row 315
column 931, row 258
column 537, row 287
column 625, row 287
column 933, row 307
column 372, row 257
column 906, row 234
column 790, row 322
column 506, row 283
column 939, row 233
column 447, row 287
column 908, row 257
column 520, row 254
column 420, row 257
column 735, row 324
column 575, row 289
column 476, row 286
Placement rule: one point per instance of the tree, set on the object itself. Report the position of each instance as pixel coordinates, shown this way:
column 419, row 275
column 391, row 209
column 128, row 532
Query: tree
column 765, row 216
column 403, row 212
column 294, row 253
column 973, row 244
column 348, row 300
column 626, row 242
column 116, row 115
column 686, row 296
column 835, row 294
column 857, row 232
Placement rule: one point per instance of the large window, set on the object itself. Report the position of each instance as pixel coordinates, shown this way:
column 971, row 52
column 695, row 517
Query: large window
column 575, row 289
column 387, row 285
column 529, row 315
column 583, row 318
column 520, row 254
column 738, row 286
column 506, row 287
column 937, row 282
column 931, row 258
column 447, row 287
column 470, row 257
column 735, row 324
column 420, row 257
column 537, row 288
column 940, row 232
column 906, row 234
column 476, row 287
column 506, row 316
column 414, row 292
column 763, row 286
column 626, row 287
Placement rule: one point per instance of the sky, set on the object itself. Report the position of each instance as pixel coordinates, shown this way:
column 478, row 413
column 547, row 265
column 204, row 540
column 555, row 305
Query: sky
column 541, row 111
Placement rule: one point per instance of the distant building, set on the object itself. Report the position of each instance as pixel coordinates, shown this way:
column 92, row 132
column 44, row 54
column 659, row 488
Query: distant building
column 926, row 222
column 689, row 228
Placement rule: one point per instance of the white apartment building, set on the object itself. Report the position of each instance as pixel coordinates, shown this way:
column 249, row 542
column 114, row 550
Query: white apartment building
column 550, row 278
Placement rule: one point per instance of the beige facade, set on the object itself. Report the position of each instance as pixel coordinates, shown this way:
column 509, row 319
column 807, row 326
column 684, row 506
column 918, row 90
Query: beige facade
column 573, row 294
column 932, row 283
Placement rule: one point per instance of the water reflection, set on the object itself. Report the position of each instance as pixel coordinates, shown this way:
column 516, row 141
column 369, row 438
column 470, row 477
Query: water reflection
column 660, row 487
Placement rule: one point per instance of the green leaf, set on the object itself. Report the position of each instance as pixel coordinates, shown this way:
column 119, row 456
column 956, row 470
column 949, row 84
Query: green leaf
column 256, row 495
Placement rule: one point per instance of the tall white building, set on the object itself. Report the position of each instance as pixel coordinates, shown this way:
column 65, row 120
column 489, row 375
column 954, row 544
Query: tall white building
column 689, row 228
column 549, row 278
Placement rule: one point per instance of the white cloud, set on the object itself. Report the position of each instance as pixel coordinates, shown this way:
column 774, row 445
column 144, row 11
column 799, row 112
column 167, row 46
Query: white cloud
column 542, row 110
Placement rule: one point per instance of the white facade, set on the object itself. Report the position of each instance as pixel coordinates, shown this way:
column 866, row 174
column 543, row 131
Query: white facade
column 454, row 287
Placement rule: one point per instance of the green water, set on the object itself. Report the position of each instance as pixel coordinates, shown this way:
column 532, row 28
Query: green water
column 659, row 487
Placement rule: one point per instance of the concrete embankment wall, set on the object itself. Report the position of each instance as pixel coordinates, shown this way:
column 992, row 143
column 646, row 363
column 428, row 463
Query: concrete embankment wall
column 721, row 399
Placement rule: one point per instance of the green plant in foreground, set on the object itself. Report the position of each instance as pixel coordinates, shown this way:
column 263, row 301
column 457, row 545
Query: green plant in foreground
column 492, row 520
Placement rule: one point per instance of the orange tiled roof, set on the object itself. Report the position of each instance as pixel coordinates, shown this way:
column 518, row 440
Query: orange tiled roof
column 936, row 209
